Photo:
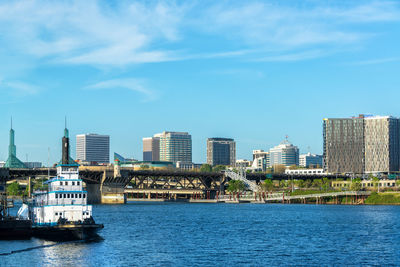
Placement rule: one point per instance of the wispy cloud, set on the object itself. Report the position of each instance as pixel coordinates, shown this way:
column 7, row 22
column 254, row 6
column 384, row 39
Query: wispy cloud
column 376, row 61
column 18, row 88
column 131, row 84
column 122, row 33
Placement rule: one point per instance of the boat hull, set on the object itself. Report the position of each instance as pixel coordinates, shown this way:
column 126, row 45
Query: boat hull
column 11, row 229
column 67, row 232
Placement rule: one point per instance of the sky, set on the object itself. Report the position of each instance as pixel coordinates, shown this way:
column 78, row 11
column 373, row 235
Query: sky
column 254, row 71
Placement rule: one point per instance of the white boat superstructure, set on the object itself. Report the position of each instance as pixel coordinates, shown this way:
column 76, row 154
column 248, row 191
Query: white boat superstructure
column 65, row 201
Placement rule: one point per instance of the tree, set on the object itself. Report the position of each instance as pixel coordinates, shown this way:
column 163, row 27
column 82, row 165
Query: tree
column 299, row 183
column 219, row 168
column 279, row 168
column 236, row 186
column 326, row 183
column 206, row 168
column 268, row 185
column 293, row 167
column 317, row 183
column 13, row 189
column 355, row 185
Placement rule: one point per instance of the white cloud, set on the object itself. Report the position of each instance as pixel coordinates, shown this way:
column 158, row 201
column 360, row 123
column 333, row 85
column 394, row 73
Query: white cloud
column 136, row 85
column 376, row 61
column 18, row 88
column 123, row 32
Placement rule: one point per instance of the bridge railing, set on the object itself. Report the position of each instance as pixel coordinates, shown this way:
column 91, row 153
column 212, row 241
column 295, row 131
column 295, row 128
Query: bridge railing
column 241, row 177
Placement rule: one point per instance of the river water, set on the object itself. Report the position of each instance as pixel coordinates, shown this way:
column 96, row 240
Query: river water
column 183, row 234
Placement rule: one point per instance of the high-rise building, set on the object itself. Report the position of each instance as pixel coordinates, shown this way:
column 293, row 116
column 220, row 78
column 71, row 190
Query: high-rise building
column 175, row 146
column 363, row 144
column 221, row 151
column 308, row 160
column 93, row 148
column 151, row 149
column 382, row 144
column 261, row 159
column 344, row 145
column 284, row 154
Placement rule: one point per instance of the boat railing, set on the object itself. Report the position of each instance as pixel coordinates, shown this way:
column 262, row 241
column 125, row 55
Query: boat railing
column 60, row 202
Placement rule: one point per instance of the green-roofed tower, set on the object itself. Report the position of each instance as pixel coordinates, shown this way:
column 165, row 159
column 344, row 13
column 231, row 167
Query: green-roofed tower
column 12, row 160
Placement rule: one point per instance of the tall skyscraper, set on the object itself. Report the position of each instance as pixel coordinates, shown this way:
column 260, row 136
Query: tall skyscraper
column 175, row 146
column 284, row 154
column 363, row 144
column 151, row 149
column 221, row 151
column 93, row 148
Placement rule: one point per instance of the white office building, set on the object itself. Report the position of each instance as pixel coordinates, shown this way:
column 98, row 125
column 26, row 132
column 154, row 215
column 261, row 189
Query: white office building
column 284, row 154
column 310, row 160
column 93, row 148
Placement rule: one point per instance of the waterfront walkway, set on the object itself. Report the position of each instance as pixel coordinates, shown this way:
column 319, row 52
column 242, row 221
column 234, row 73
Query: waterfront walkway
column 357, row 197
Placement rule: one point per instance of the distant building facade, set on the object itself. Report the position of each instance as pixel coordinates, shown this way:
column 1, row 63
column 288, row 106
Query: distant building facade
column 151, row 149
column 93, row 148
column 363, row 144
column 307, row 160
column 243, row 163
column 33, row 164
column 175, row 146
column 284, row 154
column 261, row 160
column 221, row 151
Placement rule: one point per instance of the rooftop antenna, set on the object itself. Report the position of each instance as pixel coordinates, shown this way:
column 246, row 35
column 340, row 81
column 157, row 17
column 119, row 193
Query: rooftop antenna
column 309, row 149
column 11, row 122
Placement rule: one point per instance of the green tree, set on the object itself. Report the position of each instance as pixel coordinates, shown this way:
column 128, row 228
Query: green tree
column 300, row 183
column 355, row 185
column 317, row 183
column 236, row 186
column 325, row 183
column 219, row 168
column 206, row 168
column 13, row 189
column 267, row 185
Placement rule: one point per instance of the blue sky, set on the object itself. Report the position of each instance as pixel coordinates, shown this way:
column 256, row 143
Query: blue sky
column 254, row 71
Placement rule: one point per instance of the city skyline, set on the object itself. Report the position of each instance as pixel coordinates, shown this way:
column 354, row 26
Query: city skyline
column 210, row 69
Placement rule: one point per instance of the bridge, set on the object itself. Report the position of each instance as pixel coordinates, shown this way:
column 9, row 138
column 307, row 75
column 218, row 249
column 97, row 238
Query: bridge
column 108, row 184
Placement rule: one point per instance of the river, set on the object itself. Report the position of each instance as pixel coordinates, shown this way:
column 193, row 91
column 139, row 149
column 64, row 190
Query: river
column 183, row 234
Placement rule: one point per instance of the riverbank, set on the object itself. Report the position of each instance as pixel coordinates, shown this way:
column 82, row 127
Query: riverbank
column 386, row 198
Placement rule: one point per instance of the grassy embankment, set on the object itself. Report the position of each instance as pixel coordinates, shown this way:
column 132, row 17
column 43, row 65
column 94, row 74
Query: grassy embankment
column 389, row 198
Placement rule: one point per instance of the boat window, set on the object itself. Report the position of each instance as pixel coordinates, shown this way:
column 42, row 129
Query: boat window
column 84, row 195
column 78, row 183
column 65, row 195
column 73, row 183
column 80, row 195
column 61, row 183
column 68, row 196
column 56, row 213
column 56, row 195
column 66, row 183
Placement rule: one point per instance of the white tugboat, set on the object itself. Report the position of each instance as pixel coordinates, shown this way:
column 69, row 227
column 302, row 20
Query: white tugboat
column 61, row 212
